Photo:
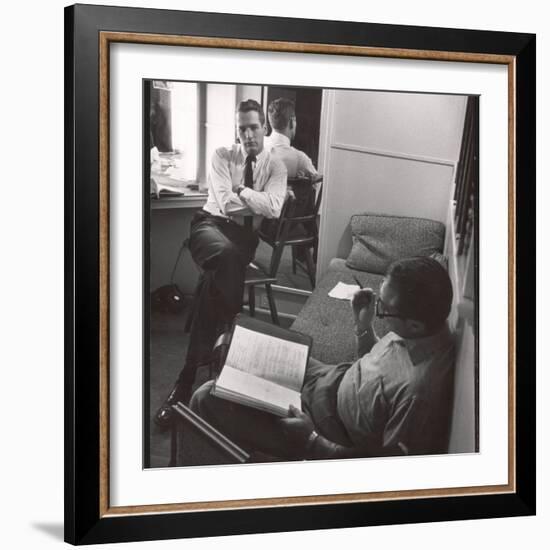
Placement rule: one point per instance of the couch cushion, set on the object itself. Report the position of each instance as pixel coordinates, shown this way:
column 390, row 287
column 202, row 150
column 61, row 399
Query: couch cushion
column 378, row 240
column 329, row 321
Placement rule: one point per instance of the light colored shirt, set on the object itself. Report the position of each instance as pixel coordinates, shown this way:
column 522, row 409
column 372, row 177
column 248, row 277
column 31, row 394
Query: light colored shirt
column 297, row 163
column 265, row 198
column 400, row 394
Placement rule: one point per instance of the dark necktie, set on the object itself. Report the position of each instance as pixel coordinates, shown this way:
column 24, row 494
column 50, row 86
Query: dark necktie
column 249, row 171
column 249, row 182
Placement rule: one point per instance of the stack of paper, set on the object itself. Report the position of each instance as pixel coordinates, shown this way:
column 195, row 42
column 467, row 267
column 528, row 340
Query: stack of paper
column 343, row 291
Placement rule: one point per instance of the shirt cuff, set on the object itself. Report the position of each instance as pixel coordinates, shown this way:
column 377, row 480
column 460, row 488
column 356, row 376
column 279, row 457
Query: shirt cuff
column 245, row 193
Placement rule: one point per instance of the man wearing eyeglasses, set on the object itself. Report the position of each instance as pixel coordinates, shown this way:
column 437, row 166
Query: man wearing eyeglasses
column 395, row 399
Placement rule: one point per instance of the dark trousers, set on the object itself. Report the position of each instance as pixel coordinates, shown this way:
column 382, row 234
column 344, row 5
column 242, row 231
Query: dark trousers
column 256, row 430
column 222, row 249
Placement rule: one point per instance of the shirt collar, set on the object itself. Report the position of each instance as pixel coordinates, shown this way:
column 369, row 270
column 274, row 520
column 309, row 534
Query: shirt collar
column 278, row 139
column 421, row 349
column 259, row 156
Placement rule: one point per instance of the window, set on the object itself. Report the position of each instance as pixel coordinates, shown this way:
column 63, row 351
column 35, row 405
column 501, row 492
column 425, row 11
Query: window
column 185, row 122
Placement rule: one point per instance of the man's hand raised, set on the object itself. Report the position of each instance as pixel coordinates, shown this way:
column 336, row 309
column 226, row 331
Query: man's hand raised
column 363, row 307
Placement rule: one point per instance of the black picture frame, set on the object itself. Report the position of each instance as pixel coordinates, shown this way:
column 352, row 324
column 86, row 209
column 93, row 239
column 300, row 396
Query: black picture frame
column 87, row 516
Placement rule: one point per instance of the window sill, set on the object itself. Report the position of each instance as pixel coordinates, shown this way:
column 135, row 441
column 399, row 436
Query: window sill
column 195, row 200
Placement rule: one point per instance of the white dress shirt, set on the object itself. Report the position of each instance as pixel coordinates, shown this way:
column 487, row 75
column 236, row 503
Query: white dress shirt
column 297, row 163
column 265, row 198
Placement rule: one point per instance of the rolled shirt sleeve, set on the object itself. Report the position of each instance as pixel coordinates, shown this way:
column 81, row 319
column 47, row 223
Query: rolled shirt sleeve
column 305, row 166
column 220, row 184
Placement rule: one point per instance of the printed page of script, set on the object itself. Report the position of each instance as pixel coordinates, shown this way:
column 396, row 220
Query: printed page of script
column 268, row 357
column 257, row 392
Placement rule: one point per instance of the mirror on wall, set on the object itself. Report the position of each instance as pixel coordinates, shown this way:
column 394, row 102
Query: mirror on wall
column 188, row 121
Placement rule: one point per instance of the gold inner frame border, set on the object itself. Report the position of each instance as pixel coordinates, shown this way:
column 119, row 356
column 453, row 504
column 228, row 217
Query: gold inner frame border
column 105, row 40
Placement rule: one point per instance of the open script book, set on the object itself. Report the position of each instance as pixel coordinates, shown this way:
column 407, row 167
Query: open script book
column 265, row 367
column 164, row 186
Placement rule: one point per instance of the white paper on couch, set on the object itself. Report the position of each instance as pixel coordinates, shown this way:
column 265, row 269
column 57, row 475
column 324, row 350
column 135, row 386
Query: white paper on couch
column 343, row 291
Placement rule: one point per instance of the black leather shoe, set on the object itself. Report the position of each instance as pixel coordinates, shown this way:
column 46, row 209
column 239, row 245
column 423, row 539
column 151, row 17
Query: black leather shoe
column 165, row 414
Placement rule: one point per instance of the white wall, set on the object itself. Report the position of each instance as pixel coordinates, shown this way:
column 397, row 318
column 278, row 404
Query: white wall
column 31, row 466
column 169, row 228
column 245, row 92
column 408, row 124
column 388, row 153
column 462, row 439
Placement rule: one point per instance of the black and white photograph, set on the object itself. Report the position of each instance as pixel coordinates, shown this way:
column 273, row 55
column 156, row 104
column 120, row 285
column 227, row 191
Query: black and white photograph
column 277, row 276
column 298, row 266
column 310, row 273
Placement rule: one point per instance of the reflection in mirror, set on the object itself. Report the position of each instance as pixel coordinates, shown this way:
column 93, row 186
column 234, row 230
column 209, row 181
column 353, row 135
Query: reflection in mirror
column 189, row 121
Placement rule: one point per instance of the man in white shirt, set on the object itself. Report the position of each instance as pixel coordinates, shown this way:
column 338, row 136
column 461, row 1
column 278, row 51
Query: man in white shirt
column 246, row 183
column 229, row 195
column 282, row 117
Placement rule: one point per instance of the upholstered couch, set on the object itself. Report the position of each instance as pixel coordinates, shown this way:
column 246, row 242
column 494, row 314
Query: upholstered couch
column 377, row 240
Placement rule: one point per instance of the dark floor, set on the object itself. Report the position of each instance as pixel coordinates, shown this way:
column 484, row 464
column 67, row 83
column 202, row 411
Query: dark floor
column 168, row 348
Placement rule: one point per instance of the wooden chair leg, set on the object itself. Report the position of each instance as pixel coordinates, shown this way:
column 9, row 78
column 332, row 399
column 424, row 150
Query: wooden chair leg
column 251, row 300
column 310, row 267
column 272, row 306
column 276, row 259
column 293, row 259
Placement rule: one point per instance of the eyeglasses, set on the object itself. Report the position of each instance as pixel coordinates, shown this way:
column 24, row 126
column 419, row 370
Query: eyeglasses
column 381, row 315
